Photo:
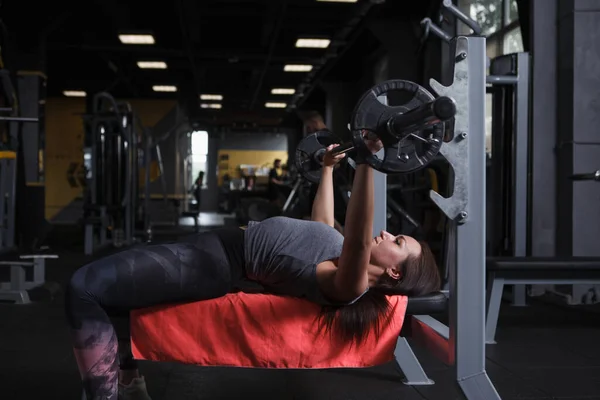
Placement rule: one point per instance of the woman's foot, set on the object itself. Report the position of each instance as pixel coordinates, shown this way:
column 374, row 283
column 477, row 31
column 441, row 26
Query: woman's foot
column 132, row 386
column 134, row 390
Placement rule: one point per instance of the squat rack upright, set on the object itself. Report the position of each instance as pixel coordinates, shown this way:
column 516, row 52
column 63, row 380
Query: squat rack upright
column 461, row 344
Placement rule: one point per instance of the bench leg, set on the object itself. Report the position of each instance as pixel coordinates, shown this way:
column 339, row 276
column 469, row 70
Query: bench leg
column 411, row 367
column 15, row 290
column 39, row 272
column 495, row 299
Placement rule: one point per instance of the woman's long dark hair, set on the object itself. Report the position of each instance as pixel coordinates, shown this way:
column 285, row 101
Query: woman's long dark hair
column 418, row 276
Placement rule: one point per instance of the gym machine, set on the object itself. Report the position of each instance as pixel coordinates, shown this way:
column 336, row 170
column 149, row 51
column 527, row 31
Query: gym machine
column 8, row 161
column 21, row 161
column 508, row 84
column 508, row 199
column 21, row 176
column 112, row 189
column 158, row 217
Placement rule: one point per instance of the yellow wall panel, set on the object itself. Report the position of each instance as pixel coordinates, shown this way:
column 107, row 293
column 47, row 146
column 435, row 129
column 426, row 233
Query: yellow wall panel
column 64, row 146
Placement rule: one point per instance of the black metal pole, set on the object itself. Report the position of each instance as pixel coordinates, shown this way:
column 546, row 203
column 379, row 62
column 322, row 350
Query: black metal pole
column 593, row 176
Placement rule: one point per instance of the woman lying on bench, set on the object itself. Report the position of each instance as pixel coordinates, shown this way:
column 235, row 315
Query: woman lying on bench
column 347, row 275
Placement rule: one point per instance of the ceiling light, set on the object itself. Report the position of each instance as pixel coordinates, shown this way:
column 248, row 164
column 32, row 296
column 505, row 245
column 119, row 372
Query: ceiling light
column 158, row 88
column 152, row 64
column 275, row 105
column 211, row 97
column 313, row 43
column 136, row 39
column 338, row 1
column 283, row 91
column 298, row 68
column 74, row 93
column 207, row 105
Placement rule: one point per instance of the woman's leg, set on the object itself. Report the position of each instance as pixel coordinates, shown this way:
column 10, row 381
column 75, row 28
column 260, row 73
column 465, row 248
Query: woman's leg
column 136, row 278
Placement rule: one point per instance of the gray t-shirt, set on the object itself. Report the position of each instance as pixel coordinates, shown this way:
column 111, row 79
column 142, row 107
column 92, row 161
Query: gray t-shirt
column 282, row 255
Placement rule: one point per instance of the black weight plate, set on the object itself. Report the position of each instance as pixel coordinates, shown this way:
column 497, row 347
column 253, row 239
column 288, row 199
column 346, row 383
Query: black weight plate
column 306, row 159
column 408, row 154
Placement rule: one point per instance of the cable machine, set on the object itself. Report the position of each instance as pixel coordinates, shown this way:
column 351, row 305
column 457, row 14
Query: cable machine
column 111, row 209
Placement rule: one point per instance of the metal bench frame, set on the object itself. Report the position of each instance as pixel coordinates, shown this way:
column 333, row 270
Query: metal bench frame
column 16, row 289
column 498, row 278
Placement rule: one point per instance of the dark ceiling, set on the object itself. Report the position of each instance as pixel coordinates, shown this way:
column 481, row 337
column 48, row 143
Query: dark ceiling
column 234, row 48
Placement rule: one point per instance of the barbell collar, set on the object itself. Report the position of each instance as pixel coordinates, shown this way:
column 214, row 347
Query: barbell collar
column 439, row 110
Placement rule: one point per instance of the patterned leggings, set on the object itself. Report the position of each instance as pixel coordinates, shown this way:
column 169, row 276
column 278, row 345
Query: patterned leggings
column 191, row 270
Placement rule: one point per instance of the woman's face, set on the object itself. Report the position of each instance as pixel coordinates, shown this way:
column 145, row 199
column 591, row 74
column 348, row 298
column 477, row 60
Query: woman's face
column 389, row 251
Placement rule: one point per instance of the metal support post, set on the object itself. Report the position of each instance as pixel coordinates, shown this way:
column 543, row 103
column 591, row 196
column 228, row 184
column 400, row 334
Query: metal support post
column 521, row 164
column 466, row 207
column 414, row 375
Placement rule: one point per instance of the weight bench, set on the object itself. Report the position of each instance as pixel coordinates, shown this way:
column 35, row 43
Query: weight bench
column 256, row 330
column 533, row 271
column 18, row 285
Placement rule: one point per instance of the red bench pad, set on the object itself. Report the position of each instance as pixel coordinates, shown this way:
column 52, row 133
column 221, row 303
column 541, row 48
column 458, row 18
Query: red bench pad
column 255, row 330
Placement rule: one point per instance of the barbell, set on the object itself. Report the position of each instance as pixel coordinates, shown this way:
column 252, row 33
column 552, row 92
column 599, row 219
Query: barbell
column 411, row 133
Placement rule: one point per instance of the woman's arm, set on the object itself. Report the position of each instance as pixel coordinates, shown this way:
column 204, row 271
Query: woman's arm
column 351, row 278
column 323, row 204
column 322, row 208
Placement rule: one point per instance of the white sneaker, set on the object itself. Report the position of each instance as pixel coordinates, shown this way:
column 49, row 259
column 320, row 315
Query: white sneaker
column 136, row 390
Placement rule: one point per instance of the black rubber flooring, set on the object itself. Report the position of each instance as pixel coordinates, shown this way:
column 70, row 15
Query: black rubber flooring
column 544, row 352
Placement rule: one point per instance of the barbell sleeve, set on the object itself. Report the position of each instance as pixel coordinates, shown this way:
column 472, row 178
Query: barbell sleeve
column 441, row 109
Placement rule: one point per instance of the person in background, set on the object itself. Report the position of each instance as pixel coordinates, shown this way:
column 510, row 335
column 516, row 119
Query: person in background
column 285, row 173
column 313, row 121
column 275, row 182
column 197, row 189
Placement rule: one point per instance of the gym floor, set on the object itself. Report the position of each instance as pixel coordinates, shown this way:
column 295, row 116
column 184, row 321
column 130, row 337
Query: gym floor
column 544, row 351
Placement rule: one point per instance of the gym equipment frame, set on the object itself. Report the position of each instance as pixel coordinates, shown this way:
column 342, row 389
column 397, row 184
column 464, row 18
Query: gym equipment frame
column 462, row 343
column 507, row 224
